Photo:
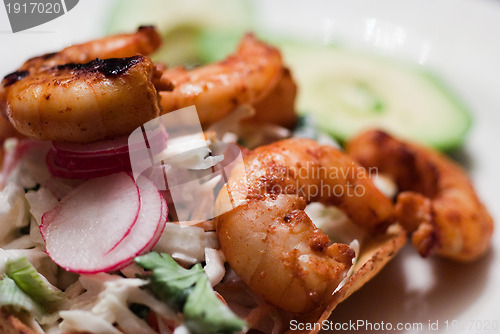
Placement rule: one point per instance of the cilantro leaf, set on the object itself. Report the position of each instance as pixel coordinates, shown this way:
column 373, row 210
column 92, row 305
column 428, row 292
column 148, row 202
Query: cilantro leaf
column 169, row 281
column 207, row 314
column 189, row 291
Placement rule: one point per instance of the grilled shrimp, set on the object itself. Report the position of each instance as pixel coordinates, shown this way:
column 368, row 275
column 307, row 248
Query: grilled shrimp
column 87, row 92
column 271, row 242
column 84, row 102
column 74, row 96
column 437, row 200
column 252, row 73
column 145, row 41
column 278, row 107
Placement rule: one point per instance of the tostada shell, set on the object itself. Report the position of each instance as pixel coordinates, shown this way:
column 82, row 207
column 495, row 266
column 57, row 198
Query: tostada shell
column 375, row 253
column 10, row 324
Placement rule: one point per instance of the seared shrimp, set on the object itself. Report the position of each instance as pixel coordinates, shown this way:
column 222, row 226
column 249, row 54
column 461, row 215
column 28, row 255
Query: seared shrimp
column 270, row 241
column 67, row 96
column 144, row 41
column 83, row 102
column 278, row 106
column 437, row 200
column 73, row 95
column 246, row 77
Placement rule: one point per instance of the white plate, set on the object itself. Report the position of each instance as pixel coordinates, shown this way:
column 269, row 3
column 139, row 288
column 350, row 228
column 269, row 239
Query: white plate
column 456, row 38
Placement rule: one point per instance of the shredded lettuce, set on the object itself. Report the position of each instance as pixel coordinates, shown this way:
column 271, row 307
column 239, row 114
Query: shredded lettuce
column 40, row 202
column 12, row 297
column 13, row 212
column 36, row 256
column 106, row 301
column 189, row 291
column 31, row 282
column 85, row 321
column 31, row 168
column 186, row 244
column 332, row 221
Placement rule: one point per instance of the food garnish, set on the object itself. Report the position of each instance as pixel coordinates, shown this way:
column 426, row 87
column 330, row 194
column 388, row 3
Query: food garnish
column 189, row 291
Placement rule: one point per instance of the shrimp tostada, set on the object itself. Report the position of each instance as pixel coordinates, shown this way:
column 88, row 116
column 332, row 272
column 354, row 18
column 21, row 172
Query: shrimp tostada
column 88, row 248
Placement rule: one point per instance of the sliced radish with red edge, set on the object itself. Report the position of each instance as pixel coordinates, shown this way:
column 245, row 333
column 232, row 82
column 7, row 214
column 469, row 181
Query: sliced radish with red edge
column 70, row 173
column 103, row 147
column 81, row 161
column 74, row 240
column 145, row 233
column 91, row 220
column 106, row 147
column 89, row 163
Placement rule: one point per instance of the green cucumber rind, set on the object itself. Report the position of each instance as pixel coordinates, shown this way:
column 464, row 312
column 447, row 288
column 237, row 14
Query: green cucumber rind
column 461, row 108
column 456, row 111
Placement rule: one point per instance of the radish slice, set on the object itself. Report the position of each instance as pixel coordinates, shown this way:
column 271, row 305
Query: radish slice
column 90, row 163
column 145, row 233
column 113, row 146
column 80, row 247
column 83, row 161
column 59, row 171
column 105, row 147
column 90, row 221
column 161, row 226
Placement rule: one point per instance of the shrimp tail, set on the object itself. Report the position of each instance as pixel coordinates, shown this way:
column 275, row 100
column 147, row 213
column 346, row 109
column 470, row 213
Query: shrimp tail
column 438, row 202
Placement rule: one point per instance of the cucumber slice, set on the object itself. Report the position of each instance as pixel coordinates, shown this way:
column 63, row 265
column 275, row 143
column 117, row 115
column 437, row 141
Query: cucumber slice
column 351, row 91
column 180, row 22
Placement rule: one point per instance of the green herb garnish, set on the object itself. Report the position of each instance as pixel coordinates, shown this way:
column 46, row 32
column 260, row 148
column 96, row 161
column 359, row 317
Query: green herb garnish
column 189, row 291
